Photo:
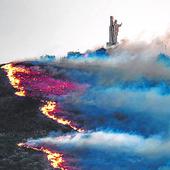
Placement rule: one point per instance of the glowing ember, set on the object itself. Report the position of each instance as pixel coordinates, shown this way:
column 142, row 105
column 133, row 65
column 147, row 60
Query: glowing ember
column 35, row 82
column 50, row 108
column 14, row 80
column 55, row 159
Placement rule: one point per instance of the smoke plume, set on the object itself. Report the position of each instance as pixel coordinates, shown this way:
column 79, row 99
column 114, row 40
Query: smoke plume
column 119, row 97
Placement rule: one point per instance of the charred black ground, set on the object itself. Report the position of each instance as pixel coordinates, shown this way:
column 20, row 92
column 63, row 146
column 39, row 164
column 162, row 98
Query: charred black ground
column 19, row 120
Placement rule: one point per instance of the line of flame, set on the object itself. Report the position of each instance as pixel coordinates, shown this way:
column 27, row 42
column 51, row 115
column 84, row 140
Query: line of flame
column 15, row 82
column 50, row 107
column 56, row 159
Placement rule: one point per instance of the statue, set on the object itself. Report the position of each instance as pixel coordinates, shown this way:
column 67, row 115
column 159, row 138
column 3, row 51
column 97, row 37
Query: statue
column 113, row 31
column 116, row 31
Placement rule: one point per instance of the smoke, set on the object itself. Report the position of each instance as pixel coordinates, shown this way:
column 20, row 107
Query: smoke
column 150, row 147
column 119, row 97
column 122, row 103
column 109, row 149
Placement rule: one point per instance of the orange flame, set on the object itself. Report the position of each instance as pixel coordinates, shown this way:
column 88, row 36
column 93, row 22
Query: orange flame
column 56, row 159
column 50, row 107
column 15, row 82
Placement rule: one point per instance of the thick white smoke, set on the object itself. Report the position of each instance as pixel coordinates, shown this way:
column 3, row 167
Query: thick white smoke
column 125, row 107
column 151, row 147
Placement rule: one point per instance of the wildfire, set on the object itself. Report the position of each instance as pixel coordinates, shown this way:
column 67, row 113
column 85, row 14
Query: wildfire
column 14, row 80
column 51, row 107
column 56, row 159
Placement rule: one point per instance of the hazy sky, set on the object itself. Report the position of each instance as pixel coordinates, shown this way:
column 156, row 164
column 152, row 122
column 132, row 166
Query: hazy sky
column 31, row 28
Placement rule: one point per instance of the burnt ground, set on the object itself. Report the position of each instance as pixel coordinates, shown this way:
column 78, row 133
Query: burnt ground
column 20, row 119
